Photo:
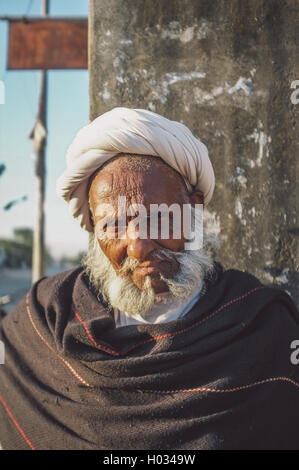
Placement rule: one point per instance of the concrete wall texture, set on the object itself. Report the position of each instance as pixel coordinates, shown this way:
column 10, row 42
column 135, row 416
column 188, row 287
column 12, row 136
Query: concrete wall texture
column 225, row 69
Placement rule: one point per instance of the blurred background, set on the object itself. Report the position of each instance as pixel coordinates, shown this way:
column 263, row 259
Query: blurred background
column 67, row 111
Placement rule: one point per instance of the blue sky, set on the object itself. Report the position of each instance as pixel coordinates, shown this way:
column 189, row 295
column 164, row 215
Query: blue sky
column 68, row 110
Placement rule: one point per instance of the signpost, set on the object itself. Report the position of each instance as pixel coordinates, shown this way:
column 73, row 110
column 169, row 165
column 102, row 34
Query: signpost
column 47, row 44
column 44, row 43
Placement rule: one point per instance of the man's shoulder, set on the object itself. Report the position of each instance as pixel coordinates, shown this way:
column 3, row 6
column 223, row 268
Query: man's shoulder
column 234, row 277
column 243, row 284
column 57, row 285
column 60, row 277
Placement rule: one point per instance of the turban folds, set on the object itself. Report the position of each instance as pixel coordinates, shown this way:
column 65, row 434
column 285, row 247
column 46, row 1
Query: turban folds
column 135, row 131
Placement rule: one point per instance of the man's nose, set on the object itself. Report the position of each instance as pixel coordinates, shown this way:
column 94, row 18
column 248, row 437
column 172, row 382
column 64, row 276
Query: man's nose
column 139, row 247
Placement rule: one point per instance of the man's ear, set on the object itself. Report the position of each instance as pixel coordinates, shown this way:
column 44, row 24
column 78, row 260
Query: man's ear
column 196, row 198
column 91, row 218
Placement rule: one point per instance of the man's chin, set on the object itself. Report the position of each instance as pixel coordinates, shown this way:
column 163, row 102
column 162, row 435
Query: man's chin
column 124, row 295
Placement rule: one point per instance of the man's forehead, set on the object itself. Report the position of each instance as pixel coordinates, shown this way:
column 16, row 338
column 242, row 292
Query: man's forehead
column 110, row 185
column 159, row 183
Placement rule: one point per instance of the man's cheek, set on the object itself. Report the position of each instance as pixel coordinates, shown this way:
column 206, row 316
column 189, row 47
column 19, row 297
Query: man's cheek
column 115, row 251
column 172, row 244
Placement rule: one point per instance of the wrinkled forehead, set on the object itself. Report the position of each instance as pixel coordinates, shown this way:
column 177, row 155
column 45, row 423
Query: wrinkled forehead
column 155, row 185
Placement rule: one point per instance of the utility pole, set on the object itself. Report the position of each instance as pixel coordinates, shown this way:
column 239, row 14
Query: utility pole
column 43, row 43
column 39, row 138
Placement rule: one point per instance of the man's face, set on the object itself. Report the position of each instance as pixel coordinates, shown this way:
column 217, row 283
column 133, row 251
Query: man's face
column 155, row 185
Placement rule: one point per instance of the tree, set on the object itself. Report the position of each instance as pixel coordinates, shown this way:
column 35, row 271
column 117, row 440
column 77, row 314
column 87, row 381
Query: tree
column 18, row 251
column 73, row 261
column 23, row 235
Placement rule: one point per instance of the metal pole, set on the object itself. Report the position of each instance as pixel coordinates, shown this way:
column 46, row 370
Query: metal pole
column 38, row 251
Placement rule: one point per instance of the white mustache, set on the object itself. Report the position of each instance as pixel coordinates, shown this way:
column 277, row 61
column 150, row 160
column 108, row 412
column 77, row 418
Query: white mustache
column 129, row 264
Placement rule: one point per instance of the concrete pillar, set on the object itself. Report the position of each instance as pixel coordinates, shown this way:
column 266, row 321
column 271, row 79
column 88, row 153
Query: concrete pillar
column 225, row 69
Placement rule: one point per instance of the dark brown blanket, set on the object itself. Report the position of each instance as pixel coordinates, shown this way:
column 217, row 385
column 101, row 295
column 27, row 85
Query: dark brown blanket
column 218, row 378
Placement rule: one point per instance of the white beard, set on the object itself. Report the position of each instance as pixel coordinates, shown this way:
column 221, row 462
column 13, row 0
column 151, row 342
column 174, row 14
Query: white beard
column 121, row 293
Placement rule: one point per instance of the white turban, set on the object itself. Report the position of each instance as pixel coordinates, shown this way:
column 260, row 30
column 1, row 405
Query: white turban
column 138, row 131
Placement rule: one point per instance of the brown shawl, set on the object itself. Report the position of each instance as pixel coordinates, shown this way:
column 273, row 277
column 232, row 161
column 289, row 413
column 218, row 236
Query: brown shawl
column 218, row 378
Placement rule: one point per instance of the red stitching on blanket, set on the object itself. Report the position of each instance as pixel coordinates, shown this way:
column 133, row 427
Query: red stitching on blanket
column 227, row 390
column 100, row 346
column 16, row 423
column 51, row 349
column 166, row 335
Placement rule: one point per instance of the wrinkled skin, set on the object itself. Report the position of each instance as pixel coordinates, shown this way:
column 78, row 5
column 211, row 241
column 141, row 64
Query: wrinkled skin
column 155, row 185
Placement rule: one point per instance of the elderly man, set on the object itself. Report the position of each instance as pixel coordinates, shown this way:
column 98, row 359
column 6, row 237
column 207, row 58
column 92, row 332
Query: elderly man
column 151, row 344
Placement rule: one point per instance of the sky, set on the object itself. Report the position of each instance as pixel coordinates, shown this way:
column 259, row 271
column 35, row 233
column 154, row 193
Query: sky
column 67, row 112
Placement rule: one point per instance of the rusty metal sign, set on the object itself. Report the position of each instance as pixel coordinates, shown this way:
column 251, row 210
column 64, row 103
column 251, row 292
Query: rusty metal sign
column 47, row 44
